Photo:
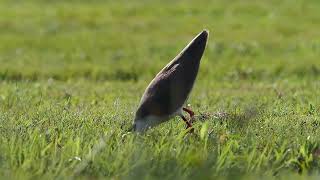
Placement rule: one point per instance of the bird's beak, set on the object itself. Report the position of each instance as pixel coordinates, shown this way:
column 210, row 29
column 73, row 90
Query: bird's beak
column 132, row 128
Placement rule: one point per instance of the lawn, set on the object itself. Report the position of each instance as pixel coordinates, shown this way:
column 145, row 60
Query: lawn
column 72, row 74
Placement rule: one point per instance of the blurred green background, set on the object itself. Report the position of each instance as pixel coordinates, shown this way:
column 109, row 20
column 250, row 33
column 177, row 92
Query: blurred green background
column 131, row 40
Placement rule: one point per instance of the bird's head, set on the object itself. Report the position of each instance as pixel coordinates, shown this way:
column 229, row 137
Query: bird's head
column 141, row 124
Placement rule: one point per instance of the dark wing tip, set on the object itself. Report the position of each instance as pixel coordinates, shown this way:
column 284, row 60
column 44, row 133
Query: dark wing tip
column 206, row 32
column 203, row 35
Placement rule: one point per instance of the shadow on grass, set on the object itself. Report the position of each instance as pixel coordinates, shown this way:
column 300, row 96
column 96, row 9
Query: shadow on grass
column 234, row 118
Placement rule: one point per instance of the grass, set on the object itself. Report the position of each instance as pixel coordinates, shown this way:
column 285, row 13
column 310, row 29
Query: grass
column 72, row 74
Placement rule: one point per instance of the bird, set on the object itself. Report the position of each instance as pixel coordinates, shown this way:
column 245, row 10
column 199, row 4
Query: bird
column 166, row 95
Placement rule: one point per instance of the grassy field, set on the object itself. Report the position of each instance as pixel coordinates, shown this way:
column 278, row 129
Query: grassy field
column 72, row 74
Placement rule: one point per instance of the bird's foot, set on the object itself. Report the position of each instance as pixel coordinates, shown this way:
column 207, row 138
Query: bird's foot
column 191, row 114
column 191, row 129
column 189, row 111
column 189, row 124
